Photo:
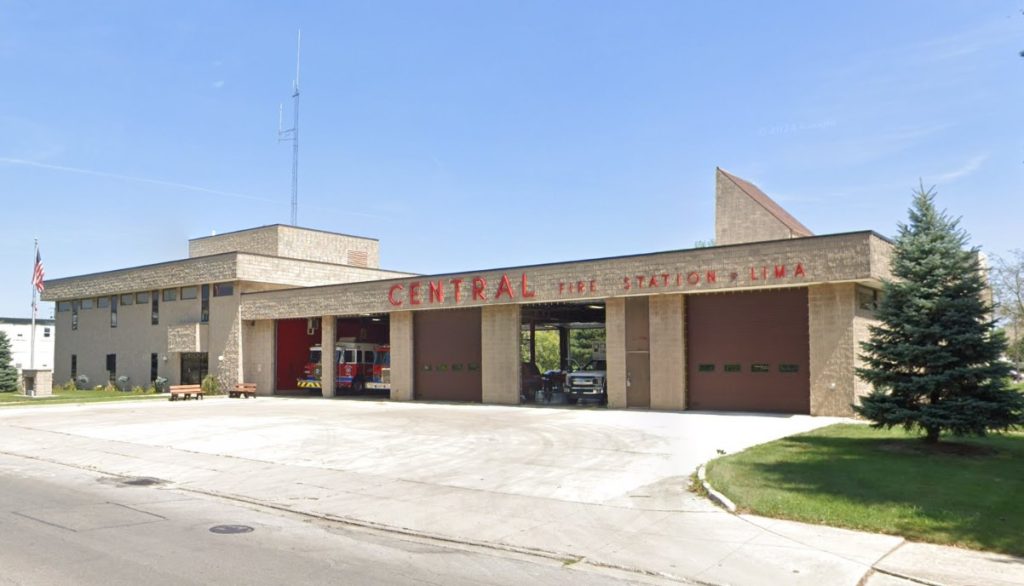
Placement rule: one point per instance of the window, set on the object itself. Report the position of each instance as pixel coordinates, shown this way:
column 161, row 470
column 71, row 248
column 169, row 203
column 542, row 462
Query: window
column 189, row 292
column 223, row 289
column 127, row 299
column 113, row 311
column 85, row 304
column 789, row 368
column 705, row 368
column 111, row 367
column 142, row 297
column 759, row 367
column 204, row 307
column 74, row 315
column 46, row 332
column 732, row 368
column 154, row 360
column 867, row 298
column 74, row 366
column 63, row 306
column 103, row 302
column 155, row 316
column 368, row 357
column 170, row 294
column 350, row 357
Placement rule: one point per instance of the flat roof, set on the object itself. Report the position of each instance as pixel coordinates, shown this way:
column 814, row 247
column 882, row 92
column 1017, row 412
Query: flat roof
column 283, row 226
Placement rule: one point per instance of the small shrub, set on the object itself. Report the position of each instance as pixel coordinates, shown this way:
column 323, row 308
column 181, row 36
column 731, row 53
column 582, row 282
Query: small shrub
column 69, row 386
column 137, row 390
column 160, row 384
column 123, row 384
column 98, row 388
column 210, row 384
column 82, row 382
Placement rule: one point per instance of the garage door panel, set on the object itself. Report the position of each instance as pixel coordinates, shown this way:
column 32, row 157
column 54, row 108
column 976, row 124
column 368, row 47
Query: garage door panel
column 748, row 351
column 447, row 355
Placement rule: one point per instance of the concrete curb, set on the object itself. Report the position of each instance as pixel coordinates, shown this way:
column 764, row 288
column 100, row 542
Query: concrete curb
column 717, row 497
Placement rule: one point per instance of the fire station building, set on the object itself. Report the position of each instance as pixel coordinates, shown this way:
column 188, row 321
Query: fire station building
column 768, row 319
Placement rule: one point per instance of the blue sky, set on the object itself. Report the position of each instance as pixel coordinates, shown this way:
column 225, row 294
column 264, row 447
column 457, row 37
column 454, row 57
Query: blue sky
column 468, row 134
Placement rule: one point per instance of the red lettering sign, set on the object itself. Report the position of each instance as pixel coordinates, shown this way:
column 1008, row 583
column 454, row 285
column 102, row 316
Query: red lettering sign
column 436, row 292
column 479, row 284
column 525, row 290
column 391, row 295
column 457, row 287
column 414, row 293
column 504, row 287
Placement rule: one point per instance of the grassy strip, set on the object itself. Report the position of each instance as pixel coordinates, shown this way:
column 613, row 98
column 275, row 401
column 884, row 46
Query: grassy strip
column 967, row 492
column 58, row 397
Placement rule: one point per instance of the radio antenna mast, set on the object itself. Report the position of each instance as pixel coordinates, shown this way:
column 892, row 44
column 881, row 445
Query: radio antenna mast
column 292, row 134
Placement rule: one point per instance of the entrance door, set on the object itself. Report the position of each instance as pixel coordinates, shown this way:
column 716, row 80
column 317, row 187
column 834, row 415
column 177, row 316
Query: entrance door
column 638, row 352
column 193, row 367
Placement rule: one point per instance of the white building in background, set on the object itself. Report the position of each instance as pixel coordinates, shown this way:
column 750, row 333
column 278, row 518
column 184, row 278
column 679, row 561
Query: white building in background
column 19, row 332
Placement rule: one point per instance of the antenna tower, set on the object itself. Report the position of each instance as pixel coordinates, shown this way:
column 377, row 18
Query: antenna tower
column 292, row 134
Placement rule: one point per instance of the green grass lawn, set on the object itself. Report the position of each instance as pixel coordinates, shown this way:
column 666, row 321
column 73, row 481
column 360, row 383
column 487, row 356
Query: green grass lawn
column 60, row 396
column 970, row 494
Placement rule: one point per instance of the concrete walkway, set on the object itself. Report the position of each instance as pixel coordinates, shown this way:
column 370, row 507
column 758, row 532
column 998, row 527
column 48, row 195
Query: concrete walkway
column 584, row 485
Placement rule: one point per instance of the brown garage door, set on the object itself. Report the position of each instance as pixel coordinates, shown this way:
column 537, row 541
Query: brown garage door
column 748, row 351
column 447, row 355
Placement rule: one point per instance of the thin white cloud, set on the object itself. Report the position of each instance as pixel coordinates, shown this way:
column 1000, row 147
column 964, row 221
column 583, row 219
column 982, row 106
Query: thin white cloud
column 218, row 84
column 185, row 186
column 964, row 170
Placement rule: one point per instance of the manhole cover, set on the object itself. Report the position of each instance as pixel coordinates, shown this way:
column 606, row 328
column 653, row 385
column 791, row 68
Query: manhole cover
column 231, row 529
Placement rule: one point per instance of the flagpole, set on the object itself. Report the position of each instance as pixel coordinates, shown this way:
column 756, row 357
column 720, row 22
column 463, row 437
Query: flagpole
column 32, row 341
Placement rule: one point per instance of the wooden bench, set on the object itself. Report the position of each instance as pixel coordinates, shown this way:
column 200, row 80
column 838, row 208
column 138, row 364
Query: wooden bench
column 243, row 390
column 186, row 392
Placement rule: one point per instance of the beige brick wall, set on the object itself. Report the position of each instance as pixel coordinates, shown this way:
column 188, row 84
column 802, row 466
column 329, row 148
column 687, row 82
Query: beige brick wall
column 862, row 321
column 258, row 355
column 291, row 242
column 668, row 352
column 740, row 219
column 403, row 368
column 832, row 348
column 843, row 257
column 184, row 338
column 273, row 271
column 328, row 369
column 262, row 240
column 499, row 347
column 615, row 349
column 327, row 247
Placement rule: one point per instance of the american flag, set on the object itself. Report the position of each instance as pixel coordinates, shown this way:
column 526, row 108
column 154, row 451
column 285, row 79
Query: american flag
column 38, row 274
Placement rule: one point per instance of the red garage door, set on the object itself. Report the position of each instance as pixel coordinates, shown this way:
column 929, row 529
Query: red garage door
column 748, row 351
column 447, row 355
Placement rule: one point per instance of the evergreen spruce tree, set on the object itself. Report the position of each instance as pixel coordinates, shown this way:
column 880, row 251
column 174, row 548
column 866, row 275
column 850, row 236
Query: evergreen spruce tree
column 8, row 374
column 934, row 360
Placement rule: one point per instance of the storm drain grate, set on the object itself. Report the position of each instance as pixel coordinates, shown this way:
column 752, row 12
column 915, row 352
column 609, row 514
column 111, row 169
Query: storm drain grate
column 231, row 529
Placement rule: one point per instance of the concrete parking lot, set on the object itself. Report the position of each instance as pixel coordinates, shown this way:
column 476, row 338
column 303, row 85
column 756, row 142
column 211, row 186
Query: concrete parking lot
column 595, row 486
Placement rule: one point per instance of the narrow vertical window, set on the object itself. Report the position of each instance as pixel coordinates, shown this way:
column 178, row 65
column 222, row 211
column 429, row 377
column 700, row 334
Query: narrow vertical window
column 111, row 367
column 155, row 297
column 153, row 362
column 204, row 312
column 74, row 315
column 113, row 311
column 74, row 366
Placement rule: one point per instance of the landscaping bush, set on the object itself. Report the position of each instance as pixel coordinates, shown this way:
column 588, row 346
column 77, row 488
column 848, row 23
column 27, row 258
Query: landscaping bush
column 123, row 384
column 211, row 386
column 82, row 382
column 160, row 384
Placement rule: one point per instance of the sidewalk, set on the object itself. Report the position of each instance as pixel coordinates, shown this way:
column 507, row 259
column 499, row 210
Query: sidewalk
column 658, row 530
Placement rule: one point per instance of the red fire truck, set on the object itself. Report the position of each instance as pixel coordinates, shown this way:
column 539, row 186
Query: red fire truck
column 360, row 366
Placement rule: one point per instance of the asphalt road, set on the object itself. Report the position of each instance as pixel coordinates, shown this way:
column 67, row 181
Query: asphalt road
column 62, row 525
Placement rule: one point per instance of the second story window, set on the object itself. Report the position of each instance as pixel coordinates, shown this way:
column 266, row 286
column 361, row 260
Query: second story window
column 155, row 318
column 74, row 315
column 204, row 311
column 113, row 311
